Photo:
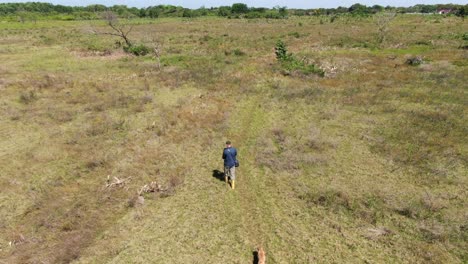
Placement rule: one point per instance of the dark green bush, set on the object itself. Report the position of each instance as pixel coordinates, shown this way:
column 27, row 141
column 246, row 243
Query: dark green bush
column 281, row 51
column 137, row 50
column 238, row 52
column 465, row 36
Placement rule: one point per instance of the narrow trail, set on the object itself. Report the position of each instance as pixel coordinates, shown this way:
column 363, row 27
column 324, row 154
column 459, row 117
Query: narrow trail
column 206, row 221
column 246, row 129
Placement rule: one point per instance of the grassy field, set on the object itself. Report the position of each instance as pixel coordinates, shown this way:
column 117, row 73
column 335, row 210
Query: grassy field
column 367, row 164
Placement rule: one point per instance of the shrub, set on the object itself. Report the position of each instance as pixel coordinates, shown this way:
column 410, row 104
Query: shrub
column 292, row 64
column 295, row 34
column 238, row 52
column 414, row 61
column 27, row 97
column 281, row 51
column 303, row 67
column 138, row 50
column 465, row 36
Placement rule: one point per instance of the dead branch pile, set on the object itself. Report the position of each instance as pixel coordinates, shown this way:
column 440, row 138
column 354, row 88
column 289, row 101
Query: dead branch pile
column 20, row 239
column 116, row 182
column 150, row 188
column 375, row 233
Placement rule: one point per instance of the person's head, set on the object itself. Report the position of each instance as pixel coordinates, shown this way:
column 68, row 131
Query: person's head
column 228, row 144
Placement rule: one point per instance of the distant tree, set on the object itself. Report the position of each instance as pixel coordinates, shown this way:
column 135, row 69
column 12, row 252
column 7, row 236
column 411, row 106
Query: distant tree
column 358, row 9
column 377, row 8
column 22, row 16
column 187, row 12
column 224, row 11
column 239, row 8
column 462, row 11
column 202, row 11
column 153, row 11
column 428, row 8
column 283, row 11
column 96, row 8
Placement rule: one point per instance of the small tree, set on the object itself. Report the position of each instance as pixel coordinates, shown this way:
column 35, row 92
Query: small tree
column 22, row 16
column 281, row 51
column 383, row 20
column 283, row 11
column 119, row 29
column 462, row 11
column 239, row 8
column 157, row 50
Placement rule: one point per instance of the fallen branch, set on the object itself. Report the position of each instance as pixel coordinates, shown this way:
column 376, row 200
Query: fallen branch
column 152, row 187
column 20, row 239
column 117, row 182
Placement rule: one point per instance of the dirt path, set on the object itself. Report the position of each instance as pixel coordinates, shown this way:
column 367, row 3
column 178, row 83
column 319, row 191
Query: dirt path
column 205, row 222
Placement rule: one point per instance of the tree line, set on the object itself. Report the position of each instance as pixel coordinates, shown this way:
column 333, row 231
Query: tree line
column 36, row 10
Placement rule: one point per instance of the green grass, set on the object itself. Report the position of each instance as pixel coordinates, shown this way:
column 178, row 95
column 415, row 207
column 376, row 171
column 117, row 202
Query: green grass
column 365, row 164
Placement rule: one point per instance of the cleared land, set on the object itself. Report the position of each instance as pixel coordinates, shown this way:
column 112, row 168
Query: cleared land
column 367, row 164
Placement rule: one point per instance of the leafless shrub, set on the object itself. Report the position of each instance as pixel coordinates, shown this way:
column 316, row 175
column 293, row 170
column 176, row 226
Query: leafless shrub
column 146, row 99
column 61, row 116
column 376, row 233
column 331, row 198
column 94, row 163
column 279, row 135
column 119, row 29
column 72, row 247
column 157, row 48
column 99, row 125
column 432, row 203
column 27, row 97
column 383, row 20
column 433, row 232
column 120, row 124
column 121, row 100
column 175, row 180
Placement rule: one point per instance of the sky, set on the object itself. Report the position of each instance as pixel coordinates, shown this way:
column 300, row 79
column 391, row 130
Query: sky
column 255, row 3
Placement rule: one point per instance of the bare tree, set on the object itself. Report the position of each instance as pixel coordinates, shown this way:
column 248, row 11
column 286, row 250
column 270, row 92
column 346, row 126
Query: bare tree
column 121, row 30
column 157, row 50
column 383, row 20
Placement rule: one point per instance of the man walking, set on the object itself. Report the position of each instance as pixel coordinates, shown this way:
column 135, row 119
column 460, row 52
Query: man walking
column 230, row 159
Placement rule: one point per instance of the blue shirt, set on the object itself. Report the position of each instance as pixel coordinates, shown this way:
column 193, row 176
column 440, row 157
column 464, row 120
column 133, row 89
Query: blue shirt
column 229, row 156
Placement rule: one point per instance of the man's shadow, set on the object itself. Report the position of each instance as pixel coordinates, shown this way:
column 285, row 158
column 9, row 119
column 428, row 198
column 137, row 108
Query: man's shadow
column 255, row 257
column 218, row 175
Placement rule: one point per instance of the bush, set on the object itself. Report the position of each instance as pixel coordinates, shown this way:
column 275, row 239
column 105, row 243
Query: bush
column 415, row 61
column 295, row 34
column 238, row 52
column 27, row 97
column 465, row 36
column 281, row 51
column 138, row 50
column 292, row 64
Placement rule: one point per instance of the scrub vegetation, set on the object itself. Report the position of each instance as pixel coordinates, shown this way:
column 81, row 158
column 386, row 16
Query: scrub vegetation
column 106, row 156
